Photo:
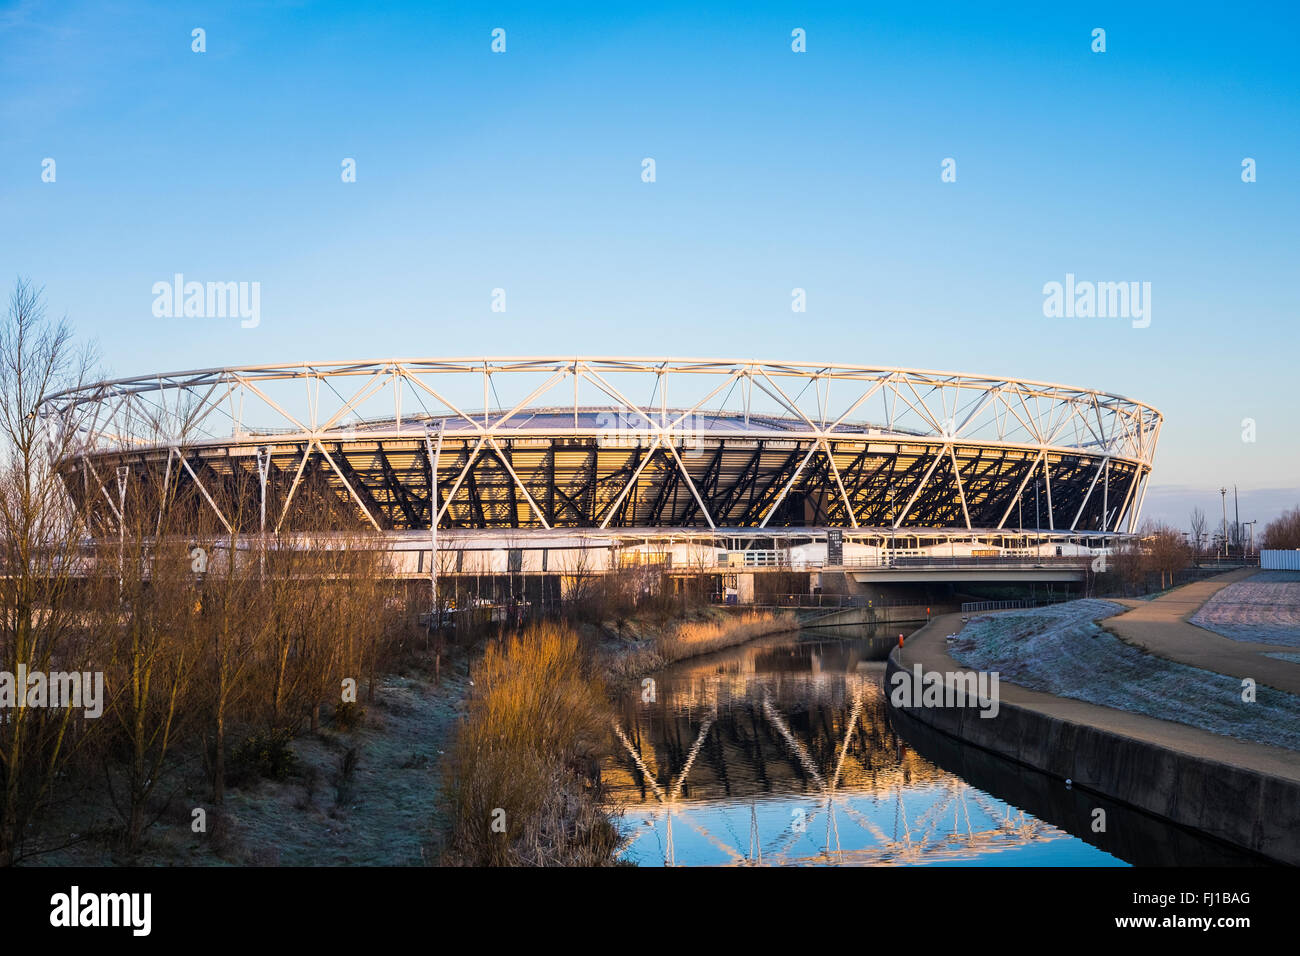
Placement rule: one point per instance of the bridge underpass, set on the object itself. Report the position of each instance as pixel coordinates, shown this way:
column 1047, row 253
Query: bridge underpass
column 971, row 575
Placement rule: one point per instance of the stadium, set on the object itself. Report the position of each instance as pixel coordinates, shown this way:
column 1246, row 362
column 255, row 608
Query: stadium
column 535, row 465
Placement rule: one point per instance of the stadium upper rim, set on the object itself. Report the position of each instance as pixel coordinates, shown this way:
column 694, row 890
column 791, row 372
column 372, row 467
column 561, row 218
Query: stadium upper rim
column 628, row 442
column 1133, row 429
column 514, row 363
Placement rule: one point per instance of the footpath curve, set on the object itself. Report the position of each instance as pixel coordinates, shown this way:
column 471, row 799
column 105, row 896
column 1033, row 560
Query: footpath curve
column 1161, row 626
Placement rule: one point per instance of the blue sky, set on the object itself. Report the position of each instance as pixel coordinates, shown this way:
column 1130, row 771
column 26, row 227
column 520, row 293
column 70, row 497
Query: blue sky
column 774, row 170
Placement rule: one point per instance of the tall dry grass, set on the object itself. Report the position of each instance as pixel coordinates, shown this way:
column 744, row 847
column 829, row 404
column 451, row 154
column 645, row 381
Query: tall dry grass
column 521, row 784
column 692, row 638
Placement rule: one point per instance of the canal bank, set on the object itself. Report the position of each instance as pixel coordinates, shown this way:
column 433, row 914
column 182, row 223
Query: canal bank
column 1245, row 794
column 654, row 645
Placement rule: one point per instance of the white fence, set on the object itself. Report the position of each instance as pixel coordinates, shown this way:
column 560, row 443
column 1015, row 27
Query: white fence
column 1280, row 560
column 974, row 607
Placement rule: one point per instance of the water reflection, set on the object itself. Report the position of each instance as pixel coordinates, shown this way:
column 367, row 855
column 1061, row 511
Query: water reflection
column 780, row 753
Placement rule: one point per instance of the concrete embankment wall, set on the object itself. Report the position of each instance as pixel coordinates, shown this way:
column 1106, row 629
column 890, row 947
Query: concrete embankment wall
column 1256, row 811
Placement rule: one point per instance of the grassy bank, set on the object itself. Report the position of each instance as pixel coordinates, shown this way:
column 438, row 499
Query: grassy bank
column 657, row 646
column 1062, row 650
column 417, row 775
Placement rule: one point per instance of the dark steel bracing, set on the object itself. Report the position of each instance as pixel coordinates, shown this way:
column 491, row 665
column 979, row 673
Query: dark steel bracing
column 577, row 483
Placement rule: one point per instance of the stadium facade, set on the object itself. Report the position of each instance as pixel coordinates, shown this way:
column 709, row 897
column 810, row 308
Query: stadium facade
column 534, row 458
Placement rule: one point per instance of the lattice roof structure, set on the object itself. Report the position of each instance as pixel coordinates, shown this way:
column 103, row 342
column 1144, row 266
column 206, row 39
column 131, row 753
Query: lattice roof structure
column 611, row 443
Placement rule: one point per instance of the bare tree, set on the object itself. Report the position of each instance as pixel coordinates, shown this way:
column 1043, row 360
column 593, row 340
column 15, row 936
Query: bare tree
column 1197, row 523
column 1165, row 551
column 1283, row 533
column 231, row 625
column 39, row 538
column 1126, row 563
column 142, row 610
column 145, row 610
column 579, row 582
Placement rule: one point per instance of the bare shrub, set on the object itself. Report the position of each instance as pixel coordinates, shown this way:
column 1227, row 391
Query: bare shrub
column 344, row 781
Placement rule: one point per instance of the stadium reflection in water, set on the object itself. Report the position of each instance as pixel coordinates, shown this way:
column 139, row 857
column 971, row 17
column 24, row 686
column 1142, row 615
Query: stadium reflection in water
column 782, row 753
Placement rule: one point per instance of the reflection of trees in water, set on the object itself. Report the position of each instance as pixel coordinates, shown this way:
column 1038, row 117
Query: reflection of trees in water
column 806, row 721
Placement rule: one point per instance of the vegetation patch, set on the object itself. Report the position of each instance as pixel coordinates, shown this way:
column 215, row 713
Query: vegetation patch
column 523, row 787
column 679, row 640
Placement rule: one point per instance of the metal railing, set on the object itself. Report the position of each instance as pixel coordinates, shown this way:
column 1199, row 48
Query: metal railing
column 973, row 561
column 779, row 559
column 828, row 601
column 974, row 607
column 1218, row 561
column 834, row 602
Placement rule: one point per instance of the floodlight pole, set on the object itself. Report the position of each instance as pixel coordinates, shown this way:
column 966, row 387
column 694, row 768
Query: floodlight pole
column 263, row 469
column 434, row 453
column 1236, row 517
column 1223, row 495
column 123, row 476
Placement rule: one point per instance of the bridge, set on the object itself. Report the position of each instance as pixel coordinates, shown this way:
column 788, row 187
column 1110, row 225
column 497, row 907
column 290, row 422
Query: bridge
column 973, row 569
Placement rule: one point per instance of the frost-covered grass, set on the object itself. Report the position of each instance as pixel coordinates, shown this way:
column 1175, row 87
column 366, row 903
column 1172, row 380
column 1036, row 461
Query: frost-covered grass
column 387, row 811
column 1285, row 576
column 1264, row 609
column 1062, row 650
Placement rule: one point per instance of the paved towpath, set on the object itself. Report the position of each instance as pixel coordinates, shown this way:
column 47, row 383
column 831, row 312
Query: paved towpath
column 1160, row 626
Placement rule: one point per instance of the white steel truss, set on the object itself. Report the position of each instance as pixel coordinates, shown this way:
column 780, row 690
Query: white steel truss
column 837, row 445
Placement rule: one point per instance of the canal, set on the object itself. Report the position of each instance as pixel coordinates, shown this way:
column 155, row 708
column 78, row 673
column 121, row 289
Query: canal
column 783, row 753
